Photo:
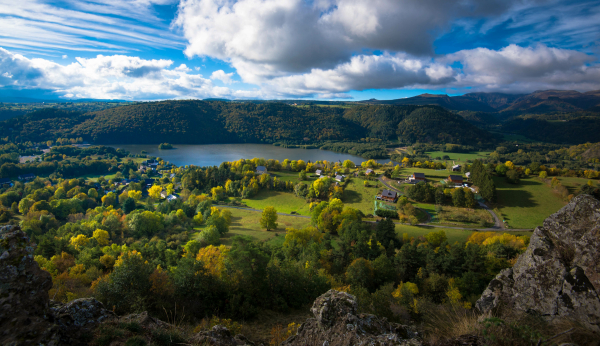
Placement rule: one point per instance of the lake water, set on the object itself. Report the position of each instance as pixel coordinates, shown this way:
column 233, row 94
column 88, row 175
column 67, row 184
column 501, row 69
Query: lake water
column 214, row 154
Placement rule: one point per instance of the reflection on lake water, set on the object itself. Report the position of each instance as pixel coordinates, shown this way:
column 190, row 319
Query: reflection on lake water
column 214, row 154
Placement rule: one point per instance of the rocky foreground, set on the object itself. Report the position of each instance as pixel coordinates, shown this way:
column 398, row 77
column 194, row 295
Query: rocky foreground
column 557, row 277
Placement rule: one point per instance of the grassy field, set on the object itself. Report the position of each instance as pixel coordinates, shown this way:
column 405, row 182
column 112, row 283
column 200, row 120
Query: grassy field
column 357, row 196
column 284, row 202
column 247, row 223
column 526, row 205
column 574, row 184
column 453, row 235
column 460, row 157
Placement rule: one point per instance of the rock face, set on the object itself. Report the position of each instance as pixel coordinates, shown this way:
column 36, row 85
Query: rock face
column 23, row 291
column 336, row 323
column 558, row 276
column 26, row 317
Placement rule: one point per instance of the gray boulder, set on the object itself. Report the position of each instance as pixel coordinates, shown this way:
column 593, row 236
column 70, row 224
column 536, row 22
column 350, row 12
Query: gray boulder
column 220, row 336
column 337, row 323
column 558, row 276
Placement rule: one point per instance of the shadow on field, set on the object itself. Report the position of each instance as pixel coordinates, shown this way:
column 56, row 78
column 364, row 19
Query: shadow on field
column 516, row 198
column 265, row 194
column 352, row 196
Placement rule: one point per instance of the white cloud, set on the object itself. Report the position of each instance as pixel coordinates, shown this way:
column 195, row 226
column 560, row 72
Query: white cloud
column 111, row 77
column 264, row 39
column 93, row 25
column 64, row 56
column 222, row 76
column 523, row 69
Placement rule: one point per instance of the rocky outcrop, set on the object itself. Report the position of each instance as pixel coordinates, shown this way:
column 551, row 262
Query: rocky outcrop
column 77, row 320
column 337, row 323
column 220, row 336
column 27, row 315
column 558, row 276
column 23, row 291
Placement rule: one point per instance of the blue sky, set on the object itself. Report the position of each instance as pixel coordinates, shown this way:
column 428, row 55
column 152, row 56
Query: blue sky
column 283, row 49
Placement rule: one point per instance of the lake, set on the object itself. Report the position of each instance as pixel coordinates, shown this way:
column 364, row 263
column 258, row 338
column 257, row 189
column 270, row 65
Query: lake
column 214, row 154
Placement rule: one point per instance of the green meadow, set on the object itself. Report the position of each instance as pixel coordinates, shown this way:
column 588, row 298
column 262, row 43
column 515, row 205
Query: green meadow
column 526, row 205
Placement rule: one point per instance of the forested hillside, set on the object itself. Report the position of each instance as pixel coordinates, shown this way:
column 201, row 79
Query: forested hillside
column 205, row 122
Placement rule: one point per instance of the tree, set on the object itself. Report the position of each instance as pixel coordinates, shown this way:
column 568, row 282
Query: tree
column 348, row 164
column 136, row 195
column 218, row 193
column 60, row 193
column 92, row 193
column 129, row 205
column 79, row 241
column 513, row 177
column 543, row 175
column 25, row 204
column 269, row 218
column 469, row 198
column 210, row 236
column 458, row 197
column 360, row 273
column 154, row 192
column 101, row 237
column 302, row 175
column 123, row 196
column 109, row 199
column 198, row 219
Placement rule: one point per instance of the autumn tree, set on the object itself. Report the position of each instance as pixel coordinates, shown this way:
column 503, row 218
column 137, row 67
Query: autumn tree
column 269, row 218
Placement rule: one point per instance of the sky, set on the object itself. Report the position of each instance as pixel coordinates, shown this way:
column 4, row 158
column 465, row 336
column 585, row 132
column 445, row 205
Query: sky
column 295, row 49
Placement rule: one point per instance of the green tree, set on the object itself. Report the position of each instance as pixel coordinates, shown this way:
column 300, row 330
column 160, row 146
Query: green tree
column 360, row 273
column 129, row 205
column 302, row 175
column 269, row 218
column 458, row 197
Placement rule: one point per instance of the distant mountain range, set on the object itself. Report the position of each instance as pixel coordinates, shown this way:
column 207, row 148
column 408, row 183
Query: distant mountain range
column 538, row 102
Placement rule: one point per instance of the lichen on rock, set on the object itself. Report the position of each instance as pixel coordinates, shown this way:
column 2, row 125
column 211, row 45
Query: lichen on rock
column 558, row 276
column 337, row 323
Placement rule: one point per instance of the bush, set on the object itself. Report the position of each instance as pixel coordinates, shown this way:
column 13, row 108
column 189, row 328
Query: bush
column 386, row 213
column 167, row 337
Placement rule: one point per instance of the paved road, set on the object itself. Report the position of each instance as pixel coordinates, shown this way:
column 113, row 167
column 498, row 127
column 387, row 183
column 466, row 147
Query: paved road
column 424, row 225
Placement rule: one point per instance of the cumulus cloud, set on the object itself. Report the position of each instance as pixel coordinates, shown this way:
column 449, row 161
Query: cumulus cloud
column 111, row 77
column 515, row 68
column 222, row 76
column 266, row 39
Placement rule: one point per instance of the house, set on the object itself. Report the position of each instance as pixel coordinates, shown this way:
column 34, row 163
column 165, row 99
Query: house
column 418, row 177
column 171, row 198
column 164, row 194
column 27, row 177
column 369, row 171
column 319, row 172
column 261, row 170
column 148, row 182
column 456, row 168
column 468, row 174
column 456, row 179
column 6, row 182
column 339, row 178
column 388, row 195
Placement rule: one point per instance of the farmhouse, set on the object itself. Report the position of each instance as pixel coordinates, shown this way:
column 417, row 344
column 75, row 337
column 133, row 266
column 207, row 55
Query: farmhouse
column 388, row 195
column 456, row 179
column 418, row 177
column 456, row 168
column 27, row 177
column 339, row 178
column 468, row 175
column 369, row 172
column 261, row 170
column 319, row 172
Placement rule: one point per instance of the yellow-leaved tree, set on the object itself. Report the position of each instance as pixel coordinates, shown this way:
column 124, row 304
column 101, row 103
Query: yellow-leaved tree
column 137, row 195
column 154, row 192
column 101, row 237
column 79, row 241
column 213, row 258
column 269, row 218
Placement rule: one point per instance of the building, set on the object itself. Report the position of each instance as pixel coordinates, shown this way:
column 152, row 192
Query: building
column 27, row 177
column 456, row 179
column 318, row 172
column 369, row 171
column 148, row 182
column 6, row 182
column 456, row 168
column 388, row 195
column 339, row 178
column 418, row 176
column 261, row 170
column 171, row 198
column 468, row 174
